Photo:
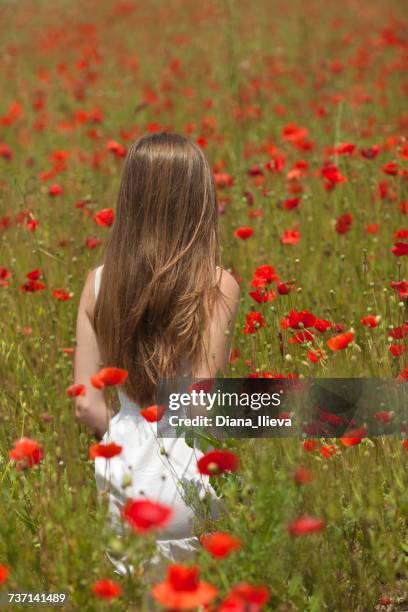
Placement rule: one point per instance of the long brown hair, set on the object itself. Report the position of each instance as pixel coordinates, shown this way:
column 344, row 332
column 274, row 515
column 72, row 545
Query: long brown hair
column 158, row 284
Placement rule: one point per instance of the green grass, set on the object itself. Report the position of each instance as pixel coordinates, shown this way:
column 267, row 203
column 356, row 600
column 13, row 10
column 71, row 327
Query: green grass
column 247, row 71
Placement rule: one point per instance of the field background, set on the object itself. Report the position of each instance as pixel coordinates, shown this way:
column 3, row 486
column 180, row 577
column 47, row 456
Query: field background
column 274, row 92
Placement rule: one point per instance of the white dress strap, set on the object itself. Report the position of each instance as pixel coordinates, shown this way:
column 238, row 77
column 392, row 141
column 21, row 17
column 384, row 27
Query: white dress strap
column 98, row 279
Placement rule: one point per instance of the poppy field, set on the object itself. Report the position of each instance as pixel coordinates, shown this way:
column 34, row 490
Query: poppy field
column 301, row 108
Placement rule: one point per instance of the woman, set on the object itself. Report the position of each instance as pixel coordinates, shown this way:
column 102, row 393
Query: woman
column 160, row 307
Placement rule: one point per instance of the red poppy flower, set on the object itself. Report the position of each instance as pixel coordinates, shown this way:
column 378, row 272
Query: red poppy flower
column 399, row 332
column 400, row 248
column 305, row 525
column 109, row 377
column 107, row 451
column 369, row 321
column 182, row 588
column 333, row 174
column 245, row 597
column 244, row 233
column 405, row 444
column 264, row 274
column 106, row 589
column 372, row 228
column 302, row 337
column 370, row 152
column 401, row 287
column 4, row 275
column 404, row 374
column 34, row 274
column 222, row 179
column 204, row 385
column 116, row 148
column 298, row 319
column 32, row 286
column 402, row 233
column 4, row 573
column 26, row 453
column 218, row 461
column 220, row 544
column 61, row 295
column 93, row 243
column 262, row 297
column 343, row 223
column 55, row 190
column 302, row 475
column 391, row 168
column 383, row 415
column 316, row 355
column 290, row 237
column 309, row 445
column 144, row 515
column 284, row 288
column 254, row 321
column 104, row 217
column 397, row 349
column 76, row 390
column 340, row 342
column 354, row 436
column 328, row 451
column 346, row 148
column 291, row 203
column 5, row 151
column 154, row 413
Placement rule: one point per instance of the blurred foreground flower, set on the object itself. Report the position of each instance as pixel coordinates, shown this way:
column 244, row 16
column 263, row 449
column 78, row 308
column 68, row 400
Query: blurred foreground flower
column 109, row 377
column 107, row 451
column 106, row 589
column 182, row 588
column 144, row 515
column 244, row 597
column 154, row 413
column 217, row 462
column 220, row 544
column 305, row 525
column 4, row 573
column 26, row 453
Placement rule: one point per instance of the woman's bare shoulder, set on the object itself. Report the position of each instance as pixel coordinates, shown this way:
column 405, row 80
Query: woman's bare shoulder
column 88, row 296
column 228, row 283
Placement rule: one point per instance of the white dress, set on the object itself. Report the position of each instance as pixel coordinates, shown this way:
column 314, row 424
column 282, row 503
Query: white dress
column 141, row 471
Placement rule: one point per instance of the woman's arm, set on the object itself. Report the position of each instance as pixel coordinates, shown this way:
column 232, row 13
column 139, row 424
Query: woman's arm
column 220, row 329
column 91, row 408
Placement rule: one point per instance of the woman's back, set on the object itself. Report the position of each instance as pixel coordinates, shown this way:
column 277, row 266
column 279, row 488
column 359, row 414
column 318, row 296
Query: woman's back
column 159, row 469
column 158, row 308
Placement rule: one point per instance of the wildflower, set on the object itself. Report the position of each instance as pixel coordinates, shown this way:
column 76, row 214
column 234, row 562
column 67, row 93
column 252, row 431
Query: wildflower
column 76, row 390
column 4, row 573
column 305, row 525
column 217, row 462
column 220, row 544
column 154, row 413
column 106, row 589
column 144, row 515
column 26, row 453
column 340, row 342
column 245, row 596
column 243, row 232
column 107, row 451
column 109, row 377
column 254, row 321
column 104, row 217
column 182, row 588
